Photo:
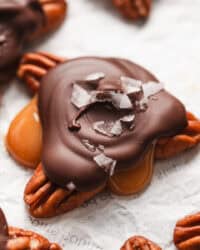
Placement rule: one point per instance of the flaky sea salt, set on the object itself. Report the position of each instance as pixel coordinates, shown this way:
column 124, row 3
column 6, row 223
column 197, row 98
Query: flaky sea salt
column 71, row 186
column 113, row 128
column 117, row 128
column 151, row 88
column 106, row 163
column 130, row 85
column 89, row 145
column 121, row 101
column 103, row 127
column 95, row 76
column 80, row 97
column 128, row 118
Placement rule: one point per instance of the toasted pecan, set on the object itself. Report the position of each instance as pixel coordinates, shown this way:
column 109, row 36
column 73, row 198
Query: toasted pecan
column 20, row 239
column 46, row 199
column 134, row 9
column 172, row 146
column 139, row 243
column 34, row 66
column 187, row 233
column 54, row 12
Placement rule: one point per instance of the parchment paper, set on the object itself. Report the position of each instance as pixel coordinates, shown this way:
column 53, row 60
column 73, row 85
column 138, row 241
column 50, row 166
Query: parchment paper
column 168, row 45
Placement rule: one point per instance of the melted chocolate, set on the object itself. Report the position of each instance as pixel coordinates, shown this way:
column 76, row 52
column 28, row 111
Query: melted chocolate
column 18, row 18
column 65, row 158
column 3, row 231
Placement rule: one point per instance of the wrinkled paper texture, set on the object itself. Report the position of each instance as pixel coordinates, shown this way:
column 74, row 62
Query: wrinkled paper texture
column 168, row 45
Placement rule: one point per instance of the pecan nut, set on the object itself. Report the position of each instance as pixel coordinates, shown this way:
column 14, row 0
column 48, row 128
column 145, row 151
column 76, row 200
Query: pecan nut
column 46, row 199
column 187, row 233
column 54, row 12
column 172, row 146
column 20, row 239
column 139, row 243
column 134, row 9
column 34, row 66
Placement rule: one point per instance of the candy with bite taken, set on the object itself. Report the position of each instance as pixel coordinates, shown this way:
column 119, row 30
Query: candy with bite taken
column 12, row 238
column 96, row 123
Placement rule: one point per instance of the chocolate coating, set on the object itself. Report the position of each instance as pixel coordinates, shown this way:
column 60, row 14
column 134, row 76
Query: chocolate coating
column 18, row 18
column 3, row 231
column 65, row 159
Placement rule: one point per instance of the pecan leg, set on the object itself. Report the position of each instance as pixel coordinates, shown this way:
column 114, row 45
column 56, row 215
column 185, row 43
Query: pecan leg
column 172, row 146
column 46, row 199
column 134, row 9
column 20, row 239
column 54, row 12
column 34, row 66
column 139, row 243
column 187, row 233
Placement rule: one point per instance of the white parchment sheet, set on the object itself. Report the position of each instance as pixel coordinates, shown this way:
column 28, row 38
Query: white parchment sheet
column 168, row 45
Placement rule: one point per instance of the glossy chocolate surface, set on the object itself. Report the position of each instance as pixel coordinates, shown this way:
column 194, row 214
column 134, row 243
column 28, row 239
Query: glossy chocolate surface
column 65, row 157
column 3, row 231
column 18, row 18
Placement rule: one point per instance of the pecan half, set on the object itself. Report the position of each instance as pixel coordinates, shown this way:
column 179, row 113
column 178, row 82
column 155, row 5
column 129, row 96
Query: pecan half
column 54, row 12
column 172, row 146
column 20, row 239
column 134, row 9
column 46, row 199
column 139, row 243
column 187, row 233
column 34, row 66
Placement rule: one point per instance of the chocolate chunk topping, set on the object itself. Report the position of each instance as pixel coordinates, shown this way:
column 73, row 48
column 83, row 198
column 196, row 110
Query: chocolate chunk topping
column 18, row 18
column 3, row 231
column 116, row 119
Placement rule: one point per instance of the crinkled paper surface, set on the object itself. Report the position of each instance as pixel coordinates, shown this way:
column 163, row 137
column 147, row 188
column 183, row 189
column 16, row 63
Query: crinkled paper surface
column 168, row 45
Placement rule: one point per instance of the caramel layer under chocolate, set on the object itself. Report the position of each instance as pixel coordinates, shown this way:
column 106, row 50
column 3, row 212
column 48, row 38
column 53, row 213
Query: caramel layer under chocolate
column 69, row 155
column 3, row 231
column 18, row 19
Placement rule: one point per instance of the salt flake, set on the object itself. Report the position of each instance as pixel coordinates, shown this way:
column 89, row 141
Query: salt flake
column 95, row 76
column 88, row 145
column 130, row 85
column 103, row 127
column 121, row 101
column 80, row 96
column 117, row 128
column 71, row 186
column 128, row 118
column 151, row 88
column 105, row 162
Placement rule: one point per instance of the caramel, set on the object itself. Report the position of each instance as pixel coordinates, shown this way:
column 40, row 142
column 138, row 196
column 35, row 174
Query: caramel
column 24, row 138
column 134, row 180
